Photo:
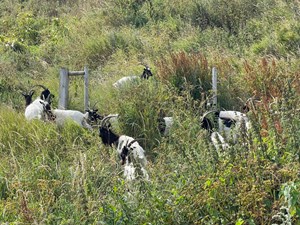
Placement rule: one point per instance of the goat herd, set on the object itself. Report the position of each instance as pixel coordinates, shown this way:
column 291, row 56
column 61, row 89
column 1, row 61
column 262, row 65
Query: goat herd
column 230, row 126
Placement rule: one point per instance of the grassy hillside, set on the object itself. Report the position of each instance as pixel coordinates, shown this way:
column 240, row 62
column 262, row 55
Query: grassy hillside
column 65, row 175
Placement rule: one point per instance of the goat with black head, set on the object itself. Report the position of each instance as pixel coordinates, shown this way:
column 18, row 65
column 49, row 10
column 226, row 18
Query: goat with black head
column 107, row 136
column 207, row 124
column 45, row 94
column 145, row 75
column 131, row 153
column 93, row 115
column 229, row 124
column 36, row 109
column 28, row 97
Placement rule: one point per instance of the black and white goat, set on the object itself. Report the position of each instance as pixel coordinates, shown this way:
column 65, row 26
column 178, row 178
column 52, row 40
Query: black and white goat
column 45, row 94
column 232, row 123
column 28, row 97
column 129, row 150
column 230, row 127
column 93, row 116
column 145, row 75
column 60, row 116
column 36, row 109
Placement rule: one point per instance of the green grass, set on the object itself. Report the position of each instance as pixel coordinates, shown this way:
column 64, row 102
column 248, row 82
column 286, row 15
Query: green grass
column 65, row 175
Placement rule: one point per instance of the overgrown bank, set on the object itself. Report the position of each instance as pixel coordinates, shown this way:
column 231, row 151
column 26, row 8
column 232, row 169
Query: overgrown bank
column 51, row 175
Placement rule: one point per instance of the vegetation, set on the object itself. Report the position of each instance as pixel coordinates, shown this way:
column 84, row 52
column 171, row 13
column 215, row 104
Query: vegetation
column 64, row 175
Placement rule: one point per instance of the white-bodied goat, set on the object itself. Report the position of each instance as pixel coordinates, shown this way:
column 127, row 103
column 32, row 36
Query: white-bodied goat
column 60, row 116
column 37, row 109
column 215, row 137
column 124, row 80
column 230, row 124
column 131, row 153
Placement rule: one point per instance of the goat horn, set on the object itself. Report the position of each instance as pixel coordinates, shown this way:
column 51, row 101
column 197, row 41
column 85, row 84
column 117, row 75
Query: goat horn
column 24, row 92
column 205, row 114
column 39, row 85
column 107, row 118
column 95, row 104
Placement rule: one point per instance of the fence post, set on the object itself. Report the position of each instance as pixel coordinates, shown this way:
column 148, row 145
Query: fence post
column 86, row 88
column 214, row 88
column 63, row 88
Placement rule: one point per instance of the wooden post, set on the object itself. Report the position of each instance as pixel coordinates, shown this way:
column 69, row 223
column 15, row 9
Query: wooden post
column 63, row 89
column 86, row 88
column 214, row 88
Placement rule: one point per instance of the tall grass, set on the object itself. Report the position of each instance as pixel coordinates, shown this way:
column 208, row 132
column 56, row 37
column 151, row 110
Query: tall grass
column 182, row 70
column 64, row 175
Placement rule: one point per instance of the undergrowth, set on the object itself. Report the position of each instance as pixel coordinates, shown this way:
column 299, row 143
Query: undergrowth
column 65, row 175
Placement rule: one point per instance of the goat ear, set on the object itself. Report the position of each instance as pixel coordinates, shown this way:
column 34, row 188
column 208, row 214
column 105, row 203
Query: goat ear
column 86, row 115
